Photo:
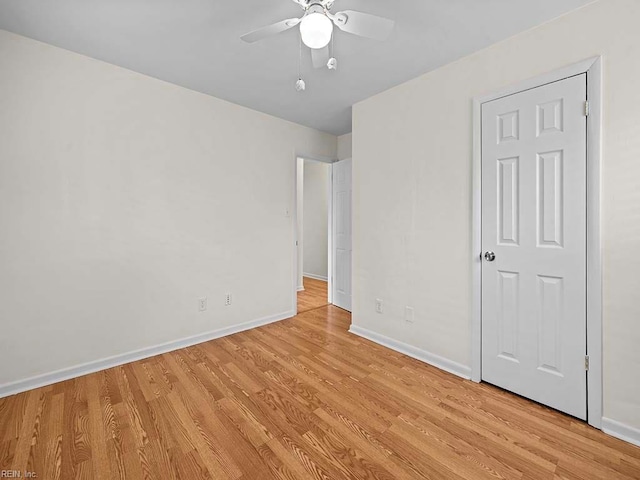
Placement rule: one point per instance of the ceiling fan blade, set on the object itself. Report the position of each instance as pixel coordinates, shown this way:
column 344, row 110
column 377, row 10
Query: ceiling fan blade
column 270, row 30
column 363, row 24
column 320, row 57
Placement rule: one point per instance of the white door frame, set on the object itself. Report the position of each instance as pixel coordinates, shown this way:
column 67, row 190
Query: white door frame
column 593, row 68
column 330, row 233
column 296, row 163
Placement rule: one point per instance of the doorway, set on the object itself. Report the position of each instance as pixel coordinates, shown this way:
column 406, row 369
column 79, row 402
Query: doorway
column 537, row 279
column 323, row 234
column 313, row 227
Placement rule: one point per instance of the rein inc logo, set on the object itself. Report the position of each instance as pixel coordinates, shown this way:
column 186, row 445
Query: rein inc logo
column 17, row 474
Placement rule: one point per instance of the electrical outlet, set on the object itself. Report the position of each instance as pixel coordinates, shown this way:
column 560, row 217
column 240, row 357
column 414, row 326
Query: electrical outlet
column 227, row 299
column 378, row 305
column 202, row 304
column 408, row 314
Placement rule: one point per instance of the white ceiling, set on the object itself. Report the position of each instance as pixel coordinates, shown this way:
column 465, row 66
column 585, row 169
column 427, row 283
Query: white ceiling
column 196, row 44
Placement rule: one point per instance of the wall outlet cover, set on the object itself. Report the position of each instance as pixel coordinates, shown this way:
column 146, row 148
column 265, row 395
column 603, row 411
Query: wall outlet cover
column 202, row 304
column 408, row 314
column 379, row 305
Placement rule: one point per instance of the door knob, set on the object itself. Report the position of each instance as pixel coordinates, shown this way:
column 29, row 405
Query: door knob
column 489, row 256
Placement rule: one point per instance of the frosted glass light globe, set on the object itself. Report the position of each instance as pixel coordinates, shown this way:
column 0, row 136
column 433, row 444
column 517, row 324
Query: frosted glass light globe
column 316, row 30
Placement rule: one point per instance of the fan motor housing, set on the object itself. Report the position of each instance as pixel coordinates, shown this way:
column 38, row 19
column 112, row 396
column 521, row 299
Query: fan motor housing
column 316, row 8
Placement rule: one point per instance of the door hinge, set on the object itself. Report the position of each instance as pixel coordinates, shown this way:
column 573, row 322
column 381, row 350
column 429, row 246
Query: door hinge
column 586, row 362
column 586, row 108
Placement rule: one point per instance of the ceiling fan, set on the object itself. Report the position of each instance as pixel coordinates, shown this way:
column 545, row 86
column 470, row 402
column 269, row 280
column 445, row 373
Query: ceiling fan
column 316, row 28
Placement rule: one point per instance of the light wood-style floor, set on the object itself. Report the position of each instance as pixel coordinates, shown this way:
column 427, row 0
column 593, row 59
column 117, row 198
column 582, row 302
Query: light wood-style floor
column 298, row 399
column 314, row 295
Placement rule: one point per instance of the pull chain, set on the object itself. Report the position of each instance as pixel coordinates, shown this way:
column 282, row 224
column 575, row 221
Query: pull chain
column 333, row 35
column 332, row 64
column 300, row 85
column 300, row 57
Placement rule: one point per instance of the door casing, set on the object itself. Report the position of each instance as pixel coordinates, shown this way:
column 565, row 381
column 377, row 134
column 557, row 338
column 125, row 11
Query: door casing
column 593, row 68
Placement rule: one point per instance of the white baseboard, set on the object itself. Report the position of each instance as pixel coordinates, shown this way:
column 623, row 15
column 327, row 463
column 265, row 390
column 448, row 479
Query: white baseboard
column 621, row 431
column 414, row 352
column 301, row 289
column 315, row 277
column 109, row 362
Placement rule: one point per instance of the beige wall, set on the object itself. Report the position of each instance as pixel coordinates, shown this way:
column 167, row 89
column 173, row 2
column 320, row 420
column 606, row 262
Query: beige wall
column 412, row 150
column 316, row 218
column 123, row 199
column 345, row 146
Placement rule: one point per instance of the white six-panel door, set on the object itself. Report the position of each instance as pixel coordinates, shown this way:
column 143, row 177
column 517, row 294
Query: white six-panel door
column 534, row 244
column 342, row 234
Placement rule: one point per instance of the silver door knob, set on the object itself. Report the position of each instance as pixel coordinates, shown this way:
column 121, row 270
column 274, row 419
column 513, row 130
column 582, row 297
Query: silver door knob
column 489, row 256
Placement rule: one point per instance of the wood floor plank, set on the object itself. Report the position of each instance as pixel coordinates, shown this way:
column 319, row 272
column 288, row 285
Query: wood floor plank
column 52, row 440
column 247, row 422
column 214, row 464
column 84, row 471
column 314, row 295
column 365, row 442
column 295, row 400
column 38, row 448
column 27, row 429
column 98, row 439
column 10, row 417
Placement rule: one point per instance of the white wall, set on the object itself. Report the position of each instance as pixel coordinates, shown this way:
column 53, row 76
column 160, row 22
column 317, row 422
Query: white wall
column 316, row 218
column 345, row 146
column 412, row 149
column 123, row 199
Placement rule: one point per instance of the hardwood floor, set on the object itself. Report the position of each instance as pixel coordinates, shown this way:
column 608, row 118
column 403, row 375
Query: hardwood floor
column 298, row 399
column 314, row 295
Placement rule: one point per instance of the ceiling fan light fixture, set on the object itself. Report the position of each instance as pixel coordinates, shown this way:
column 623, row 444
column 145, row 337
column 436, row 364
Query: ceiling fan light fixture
column 316, row 30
